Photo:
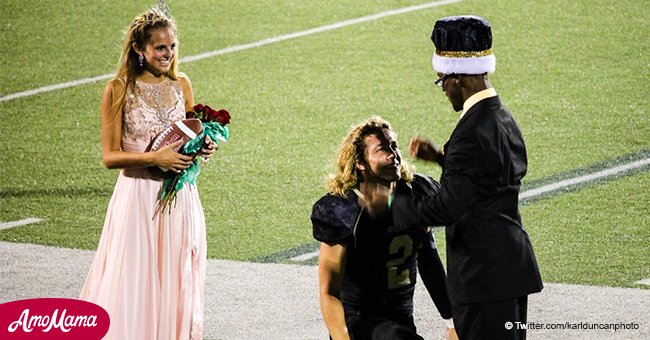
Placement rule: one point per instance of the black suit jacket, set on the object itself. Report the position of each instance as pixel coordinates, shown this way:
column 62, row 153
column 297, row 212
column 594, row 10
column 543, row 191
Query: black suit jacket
column 489, row 255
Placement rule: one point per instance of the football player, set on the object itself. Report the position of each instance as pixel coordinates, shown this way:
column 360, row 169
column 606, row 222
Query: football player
column 368, row 266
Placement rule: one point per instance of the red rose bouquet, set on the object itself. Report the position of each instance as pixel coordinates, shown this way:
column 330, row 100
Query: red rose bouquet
column 214, row 126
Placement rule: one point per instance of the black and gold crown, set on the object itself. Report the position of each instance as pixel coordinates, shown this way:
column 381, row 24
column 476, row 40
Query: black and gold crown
column 463, row 45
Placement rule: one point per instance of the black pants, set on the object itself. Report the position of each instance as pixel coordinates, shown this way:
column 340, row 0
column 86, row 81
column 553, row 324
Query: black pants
column 495, row 320
column 367, row 328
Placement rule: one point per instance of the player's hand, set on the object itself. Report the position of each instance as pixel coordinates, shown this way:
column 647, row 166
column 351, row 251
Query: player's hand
column 208, row 149
column 374, row 198
column 170, row 159
column 424, row 149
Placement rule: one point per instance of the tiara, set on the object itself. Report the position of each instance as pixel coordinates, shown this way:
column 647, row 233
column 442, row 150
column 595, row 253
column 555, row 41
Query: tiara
column 159, row 9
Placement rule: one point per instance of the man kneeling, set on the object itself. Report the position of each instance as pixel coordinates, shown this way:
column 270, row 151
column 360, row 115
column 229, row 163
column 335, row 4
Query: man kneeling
column 368, row 266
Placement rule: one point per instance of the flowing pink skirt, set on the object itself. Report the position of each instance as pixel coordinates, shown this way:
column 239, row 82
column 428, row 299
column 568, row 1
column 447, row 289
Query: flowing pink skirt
column 149, row 269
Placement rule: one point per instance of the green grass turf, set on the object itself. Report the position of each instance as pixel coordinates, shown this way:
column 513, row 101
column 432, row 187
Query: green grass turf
column 598, row 235
column 575, row 82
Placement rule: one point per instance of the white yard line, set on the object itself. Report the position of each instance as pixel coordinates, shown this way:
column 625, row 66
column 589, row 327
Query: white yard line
column 549, row 188
column 305, row 257
column 585, row 178
column 7, row 225
column 238, row 48
column 643, row 282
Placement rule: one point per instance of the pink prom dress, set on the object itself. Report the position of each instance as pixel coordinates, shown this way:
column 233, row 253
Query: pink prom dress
column 149, row 269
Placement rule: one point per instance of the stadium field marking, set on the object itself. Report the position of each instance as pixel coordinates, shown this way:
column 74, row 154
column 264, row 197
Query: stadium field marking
column 320, row 29
column 598, row 175
column 12, row 224
column 305, row 257
column 242, row 47
column 643, row 282
column 584, row 179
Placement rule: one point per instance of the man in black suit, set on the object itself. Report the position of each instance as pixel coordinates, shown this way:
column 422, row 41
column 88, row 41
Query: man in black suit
column 491, row 266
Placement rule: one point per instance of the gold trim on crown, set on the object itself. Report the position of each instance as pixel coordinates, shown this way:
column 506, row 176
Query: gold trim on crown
column 463, row 54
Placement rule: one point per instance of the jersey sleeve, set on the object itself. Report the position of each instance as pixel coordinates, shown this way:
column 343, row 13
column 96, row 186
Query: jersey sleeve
column 333, row 219
column 433, row 276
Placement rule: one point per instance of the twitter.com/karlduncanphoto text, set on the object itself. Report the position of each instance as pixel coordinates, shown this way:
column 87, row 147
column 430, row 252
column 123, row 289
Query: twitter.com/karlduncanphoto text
column 618, row 326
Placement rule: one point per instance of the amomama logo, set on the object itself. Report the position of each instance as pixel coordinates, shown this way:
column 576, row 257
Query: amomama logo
column 52, row 318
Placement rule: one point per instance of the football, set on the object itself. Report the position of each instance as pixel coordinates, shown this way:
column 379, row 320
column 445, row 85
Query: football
column 185, row 130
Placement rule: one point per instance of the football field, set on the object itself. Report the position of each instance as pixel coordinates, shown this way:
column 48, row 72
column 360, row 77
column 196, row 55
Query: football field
column 295, row 75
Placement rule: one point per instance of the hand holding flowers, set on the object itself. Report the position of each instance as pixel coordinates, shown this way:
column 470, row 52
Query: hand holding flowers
column 207, row 115
column 203, row 145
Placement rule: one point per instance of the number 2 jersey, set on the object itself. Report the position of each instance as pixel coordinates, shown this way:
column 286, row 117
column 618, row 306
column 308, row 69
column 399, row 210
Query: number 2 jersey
column 382, row 258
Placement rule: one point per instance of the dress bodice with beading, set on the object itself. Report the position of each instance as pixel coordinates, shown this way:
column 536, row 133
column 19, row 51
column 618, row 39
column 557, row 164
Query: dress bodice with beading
column 149, row 109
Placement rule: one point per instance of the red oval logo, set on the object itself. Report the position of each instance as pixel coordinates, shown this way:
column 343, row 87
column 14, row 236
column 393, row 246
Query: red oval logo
column 52, row 318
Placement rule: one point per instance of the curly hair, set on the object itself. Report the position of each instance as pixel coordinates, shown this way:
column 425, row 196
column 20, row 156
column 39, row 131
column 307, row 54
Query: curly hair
column 351, row 152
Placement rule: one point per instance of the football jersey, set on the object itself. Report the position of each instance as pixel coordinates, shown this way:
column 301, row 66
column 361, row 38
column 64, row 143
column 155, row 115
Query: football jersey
column 381, row 259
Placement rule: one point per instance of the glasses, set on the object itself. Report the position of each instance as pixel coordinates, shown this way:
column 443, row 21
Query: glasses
column 441, row 81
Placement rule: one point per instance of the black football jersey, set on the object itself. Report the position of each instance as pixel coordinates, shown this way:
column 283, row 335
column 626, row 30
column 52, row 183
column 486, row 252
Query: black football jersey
column 381, row 260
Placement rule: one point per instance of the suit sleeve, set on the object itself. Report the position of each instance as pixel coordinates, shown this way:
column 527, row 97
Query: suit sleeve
column 458, row 185
column 433, row 276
